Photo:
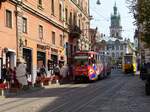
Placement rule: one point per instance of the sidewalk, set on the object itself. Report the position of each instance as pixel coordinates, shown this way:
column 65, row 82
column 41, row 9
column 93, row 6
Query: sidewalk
column 8, row 93
column 15, row 92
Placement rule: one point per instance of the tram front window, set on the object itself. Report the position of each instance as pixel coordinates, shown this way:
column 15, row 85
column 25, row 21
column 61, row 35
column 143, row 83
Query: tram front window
column 128, row 60
column 80, row 61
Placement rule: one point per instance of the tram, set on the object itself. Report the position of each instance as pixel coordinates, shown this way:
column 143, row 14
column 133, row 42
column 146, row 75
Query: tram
column 129, row 63
column 87, row 65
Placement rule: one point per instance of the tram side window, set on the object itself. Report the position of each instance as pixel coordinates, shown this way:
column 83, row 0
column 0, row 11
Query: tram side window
column 93, row 61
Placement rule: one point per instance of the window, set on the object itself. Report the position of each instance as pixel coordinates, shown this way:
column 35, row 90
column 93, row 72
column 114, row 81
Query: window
column 52, row 7
column 53, row 37
column 24, row 29
column 74, row 19
column 117, row 55
column 79, row 24
column 8, row 19
column 117, row 47
column 113, row 48
column 121, row 47
column 40, row 2
column 61, row 40
column 121, row 54
column 66, row 15
column 113, row 54
column 70, row 19
column 40, row 31
column 107, row 47
column 117, row 34
column 60, row 12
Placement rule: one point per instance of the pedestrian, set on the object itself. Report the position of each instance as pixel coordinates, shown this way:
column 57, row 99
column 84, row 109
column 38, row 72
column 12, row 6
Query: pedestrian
column 4, row 71
column 15, row 82
column 21, row 73
column 9, row 77
column 64, row 72
column 43, row 72
column 57, row 73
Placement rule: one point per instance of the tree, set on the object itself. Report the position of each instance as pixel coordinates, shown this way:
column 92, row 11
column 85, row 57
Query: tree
column 140, row 10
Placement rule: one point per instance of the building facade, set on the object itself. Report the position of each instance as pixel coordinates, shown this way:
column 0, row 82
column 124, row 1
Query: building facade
column 43, row 32
column 116, row 49
column 79, row 24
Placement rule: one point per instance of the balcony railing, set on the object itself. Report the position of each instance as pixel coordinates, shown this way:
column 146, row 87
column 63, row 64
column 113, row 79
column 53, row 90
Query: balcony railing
column 75, row 31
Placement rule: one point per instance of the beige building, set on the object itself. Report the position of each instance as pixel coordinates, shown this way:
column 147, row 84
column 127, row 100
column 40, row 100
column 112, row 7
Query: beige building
column 43, row 32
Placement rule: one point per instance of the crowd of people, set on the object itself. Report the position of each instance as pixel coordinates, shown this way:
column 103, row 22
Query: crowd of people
column 18, row 77
column 59, row 72
column 9, row 76
column 15, row 77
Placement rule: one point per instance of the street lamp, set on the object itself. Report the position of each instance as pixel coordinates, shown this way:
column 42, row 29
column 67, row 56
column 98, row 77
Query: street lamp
column 98, row 2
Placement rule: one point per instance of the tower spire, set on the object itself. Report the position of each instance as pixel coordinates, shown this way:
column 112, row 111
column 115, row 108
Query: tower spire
column 115, row 28
column 115, row 9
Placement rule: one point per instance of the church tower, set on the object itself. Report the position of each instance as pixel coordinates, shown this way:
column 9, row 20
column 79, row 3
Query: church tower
column 115, row 28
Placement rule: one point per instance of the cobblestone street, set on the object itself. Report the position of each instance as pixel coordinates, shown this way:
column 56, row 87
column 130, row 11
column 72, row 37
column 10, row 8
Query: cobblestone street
column 117, row 93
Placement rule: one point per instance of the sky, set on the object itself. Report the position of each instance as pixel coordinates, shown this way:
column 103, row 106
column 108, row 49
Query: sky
column 101, row 17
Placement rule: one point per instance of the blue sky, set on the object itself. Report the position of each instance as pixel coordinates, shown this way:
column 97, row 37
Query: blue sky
column 101, row 14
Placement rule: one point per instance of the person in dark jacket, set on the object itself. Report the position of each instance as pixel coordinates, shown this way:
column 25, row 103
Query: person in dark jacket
column 43, row 71
column 3, row 76
column 57, row 73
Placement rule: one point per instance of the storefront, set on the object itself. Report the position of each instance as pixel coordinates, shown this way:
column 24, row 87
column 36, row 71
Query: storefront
column 54, row 55
column 9, row 58
column 41, row 55
column 27, row 55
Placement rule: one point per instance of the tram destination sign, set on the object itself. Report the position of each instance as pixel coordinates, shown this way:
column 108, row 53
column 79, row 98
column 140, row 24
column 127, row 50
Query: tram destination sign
column 80, row 57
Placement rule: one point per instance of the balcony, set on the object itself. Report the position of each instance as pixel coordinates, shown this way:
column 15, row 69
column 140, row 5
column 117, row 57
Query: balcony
column 75, row 31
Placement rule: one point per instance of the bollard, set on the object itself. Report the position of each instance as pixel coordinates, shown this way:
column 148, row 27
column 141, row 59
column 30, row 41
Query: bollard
column 42, row 83
column 2, row 94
